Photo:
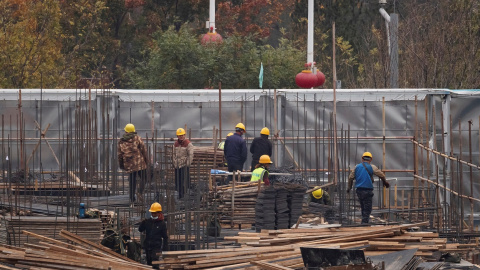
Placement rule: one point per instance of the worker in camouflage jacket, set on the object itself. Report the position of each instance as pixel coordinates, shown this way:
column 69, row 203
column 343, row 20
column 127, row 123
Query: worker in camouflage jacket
column 132, row 158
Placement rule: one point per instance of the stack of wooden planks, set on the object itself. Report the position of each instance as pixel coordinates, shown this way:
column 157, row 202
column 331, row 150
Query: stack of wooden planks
column 276, row 206
column 90, row 229
column 237, row 203
column 53, row 254
column 281, row 248
column 205, row 158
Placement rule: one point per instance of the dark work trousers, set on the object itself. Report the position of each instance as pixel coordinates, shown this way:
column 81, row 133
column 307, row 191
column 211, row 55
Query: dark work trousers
column 233, row 167
column 152, row 255
column 132, row 178
column 182, row 180
column 254, row 163
column 365, row 197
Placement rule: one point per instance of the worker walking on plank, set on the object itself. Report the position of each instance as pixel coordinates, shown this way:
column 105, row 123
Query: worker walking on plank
column 156, row 237
column 260, row 146
column 132, row 158
column 182, row 159
column 235, row 150
column 363, row 176
column 320, row 196
column 261, row 170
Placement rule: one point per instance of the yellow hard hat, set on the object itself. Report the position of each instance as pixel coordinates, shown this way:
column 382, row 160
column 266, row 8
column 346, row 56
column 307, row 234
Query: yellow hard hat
column 156, row 207
column 317, row 194
column 265, row 131
column 367, row 154
column 229, row 134
column 129, row 128
column 180, row 131
column 240, row 125
column 265, row 159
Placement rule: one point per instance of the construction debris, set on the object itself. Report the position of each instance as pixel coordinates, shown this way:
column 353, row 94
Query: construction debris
column 54, row 254
column 282, row 247
column 90, row 229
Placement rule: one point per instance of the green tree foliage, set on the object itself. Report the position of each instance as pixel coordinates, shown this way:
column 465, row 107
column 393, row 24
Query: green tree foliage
column 155, row 44
column 178, row 60
column 281, row 65
column 30, row 51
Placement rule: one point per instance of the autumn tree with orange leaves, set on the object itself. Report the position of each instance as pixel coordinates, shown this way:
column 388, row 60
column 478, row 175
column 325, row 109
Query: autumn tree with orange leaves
column 30, row 51
column 250, row 17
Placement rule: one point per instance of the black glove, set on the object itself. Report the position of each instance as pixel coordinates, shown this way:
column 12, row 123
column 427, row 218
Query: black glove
column 348, row 190
column 386, row 184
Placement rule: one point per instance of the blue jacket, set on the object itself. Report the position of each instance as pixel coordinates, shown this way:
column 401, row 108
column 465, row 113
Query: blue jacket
column 235, row 149
column 362, row 177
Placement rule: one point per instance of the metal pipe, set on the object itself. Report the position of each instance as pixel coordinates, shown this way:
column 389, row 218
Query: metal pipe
column 212, row 16
column 310, row 33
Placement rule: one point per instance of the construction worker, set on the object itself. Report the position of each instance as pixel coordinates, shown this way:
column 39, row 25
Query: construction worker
column 363, row 176
column 182, row 159
column 156, row 238
column 221, row 145
column 320, row 196
column 261, row 170
column 260, row 146
column 235, row 150
column 132, row 157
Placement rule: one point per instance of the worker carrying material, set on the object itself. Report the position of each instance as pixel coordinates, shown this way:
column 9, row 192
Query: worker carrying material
column 156, row 238
column 182, row 159
column 261, row 170
column 235, row 150
column 132, row 157
column 363, row 176
column 260, row 146
column 320, row 196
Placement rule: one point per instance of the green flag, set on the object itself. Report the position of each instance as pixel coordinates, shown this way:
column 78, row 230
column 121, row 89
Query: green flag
column 260, row 76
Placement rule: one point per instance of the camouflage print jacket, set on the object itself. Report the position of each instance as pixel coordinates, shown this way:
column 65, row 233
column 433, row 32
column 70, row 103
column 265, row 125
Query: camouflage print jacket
column 182, row 154
column 132, row 153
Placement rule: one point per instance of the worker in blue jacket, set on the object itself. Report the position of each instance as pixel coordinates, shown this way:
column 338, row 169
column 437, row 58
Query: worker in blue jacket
column 235, row 150
column 363, row 176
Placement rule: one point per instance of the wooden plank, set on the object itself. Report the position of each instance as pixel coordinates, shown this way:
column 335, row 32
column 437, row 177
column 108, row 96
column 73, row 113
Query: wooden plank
column 270, row 266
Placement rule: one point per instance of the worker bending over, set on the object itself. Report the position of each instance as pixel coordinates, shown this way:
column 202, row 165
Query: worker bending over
column 320, row 196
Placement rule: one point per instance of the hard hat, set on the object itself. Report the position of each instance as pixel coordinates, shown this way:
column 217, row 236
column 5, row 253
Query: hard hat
column 317, row 194
column 229, row 134
column 264, row 159
column 180, row 131
column 156, row 207
column 240, row 125
column 129, row 128
column 265, row 131
column 367, row 154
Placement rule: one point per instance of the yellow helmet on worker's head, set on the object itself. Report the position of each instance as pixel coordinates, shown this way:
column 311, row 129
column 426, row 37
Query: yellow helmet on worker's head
column 240, row 126
column 265, row 159
column 129, row 128
column 229, row 134
column 317, row 194
column 156, row 207
column 265, row 131
column 367, row 156
column 180, row 131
